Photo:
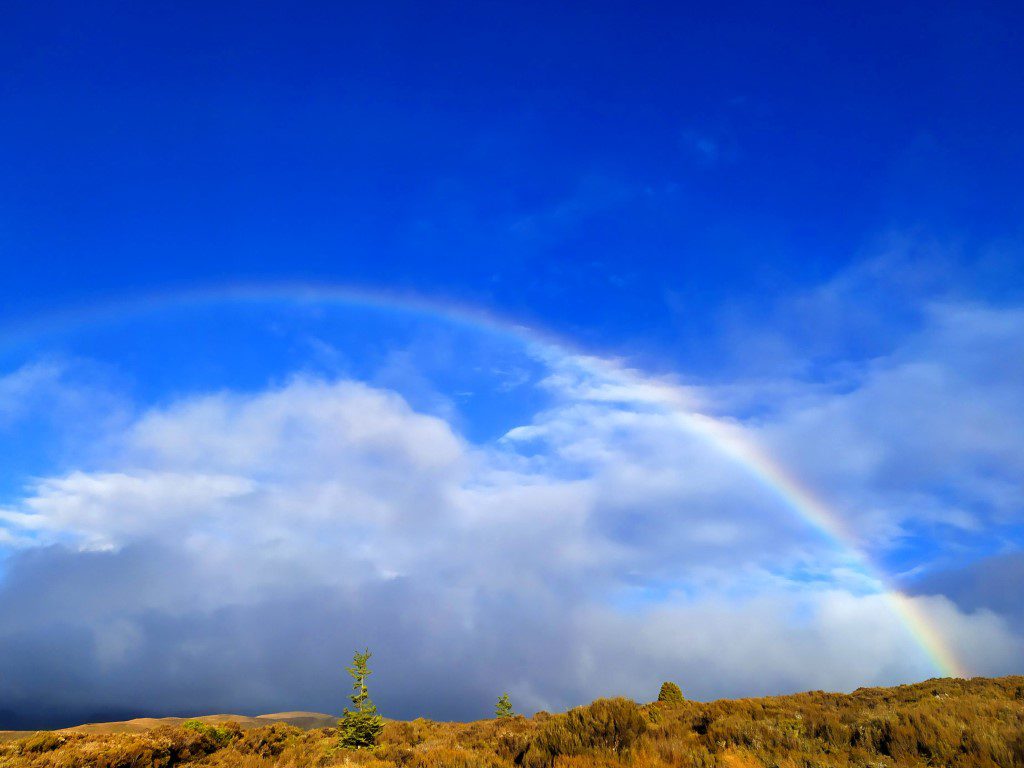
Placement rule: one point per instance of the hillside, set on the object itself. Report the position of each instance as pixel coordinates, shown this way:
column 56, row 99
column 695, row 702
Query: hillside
column 976, row 723
column 305, row 720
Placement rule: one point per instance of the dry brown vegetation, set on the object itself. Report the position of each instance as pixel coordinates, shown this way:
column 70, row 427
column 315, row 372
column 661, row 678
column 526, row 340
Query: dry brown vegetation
column 954, row 723
column 304, row 720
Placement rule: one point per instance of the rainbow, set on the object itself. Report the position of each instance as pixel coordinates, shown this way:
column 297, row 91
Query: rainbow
column 726, row 437
column 732, row 441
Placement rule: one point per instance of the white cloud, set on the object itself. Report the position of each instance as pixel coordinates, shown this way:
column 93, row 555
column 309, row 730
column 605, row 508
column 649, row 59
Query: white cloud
column 105, row 510
column 931, row 434
column 798, row 638
column 248, row 541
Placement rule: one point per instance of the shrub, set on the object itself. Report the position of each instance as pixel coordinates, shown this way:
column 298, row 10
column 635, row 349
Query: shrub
column 670, row 693
column 44, row 741
column 451, row 757
column 401, row 732
column 270, row 740
column 221, row 735
column 512, row 746
column 394, row 754
column 607, row 725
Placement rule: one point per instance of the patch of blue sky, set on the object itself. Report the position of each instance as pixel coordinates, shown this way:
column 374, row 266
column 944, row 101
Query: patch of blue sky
column 483, row 382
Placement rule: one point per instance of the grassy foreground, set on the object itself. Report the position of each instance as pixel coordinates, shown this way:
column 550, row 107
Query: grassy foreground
column 955, row 723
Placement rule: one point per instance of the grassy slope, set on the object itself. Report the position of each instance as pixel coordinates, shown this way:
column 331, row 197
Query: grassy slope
column 975, row 723
column 304, row 720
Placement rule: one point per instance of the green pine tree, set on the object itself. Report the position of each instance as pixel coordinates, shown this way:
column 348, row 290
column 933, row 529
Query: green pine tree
column 670, row 692
column 361, row 725
column 503, row 708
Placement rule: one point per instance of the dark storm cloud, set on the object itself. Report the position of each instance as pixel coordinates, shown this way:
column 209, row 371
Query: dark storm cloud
column 81, row 639
column 995, row 583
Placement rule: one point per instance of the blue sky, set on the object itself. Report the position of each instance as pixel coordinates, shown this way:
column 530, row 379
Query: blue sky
column 581, row 226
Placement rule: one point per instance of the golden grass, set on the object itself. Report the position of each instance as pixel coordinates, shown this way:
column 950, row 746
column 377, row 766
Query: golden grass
column 951, row 723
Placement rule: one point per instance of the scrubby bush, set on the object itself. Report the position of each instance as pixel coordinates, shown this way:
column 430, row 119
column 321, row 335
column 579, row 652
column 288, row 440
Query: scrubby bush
column 221, row 735
column 44, row 741
column 452, row 757
column 269, row 741
column 607, row 725
column 409, row 733
column 670, row 693
column 394, row 754
column 512, row 745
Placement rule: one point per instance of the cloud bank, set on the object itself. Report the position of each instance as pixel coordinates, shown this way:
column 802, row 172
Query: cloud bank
column 227, row 551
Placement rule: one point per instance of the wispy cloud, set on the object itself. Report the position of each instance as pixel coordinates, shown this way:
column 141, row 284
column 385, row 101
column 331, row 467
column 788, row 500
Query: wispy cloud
column 709, row 148
column 27, row 388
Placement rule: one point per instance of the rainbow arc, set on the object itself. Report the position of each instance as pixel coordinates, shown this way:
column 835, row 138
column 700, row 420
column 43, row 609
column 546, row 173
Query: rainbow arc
column 728, row 438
